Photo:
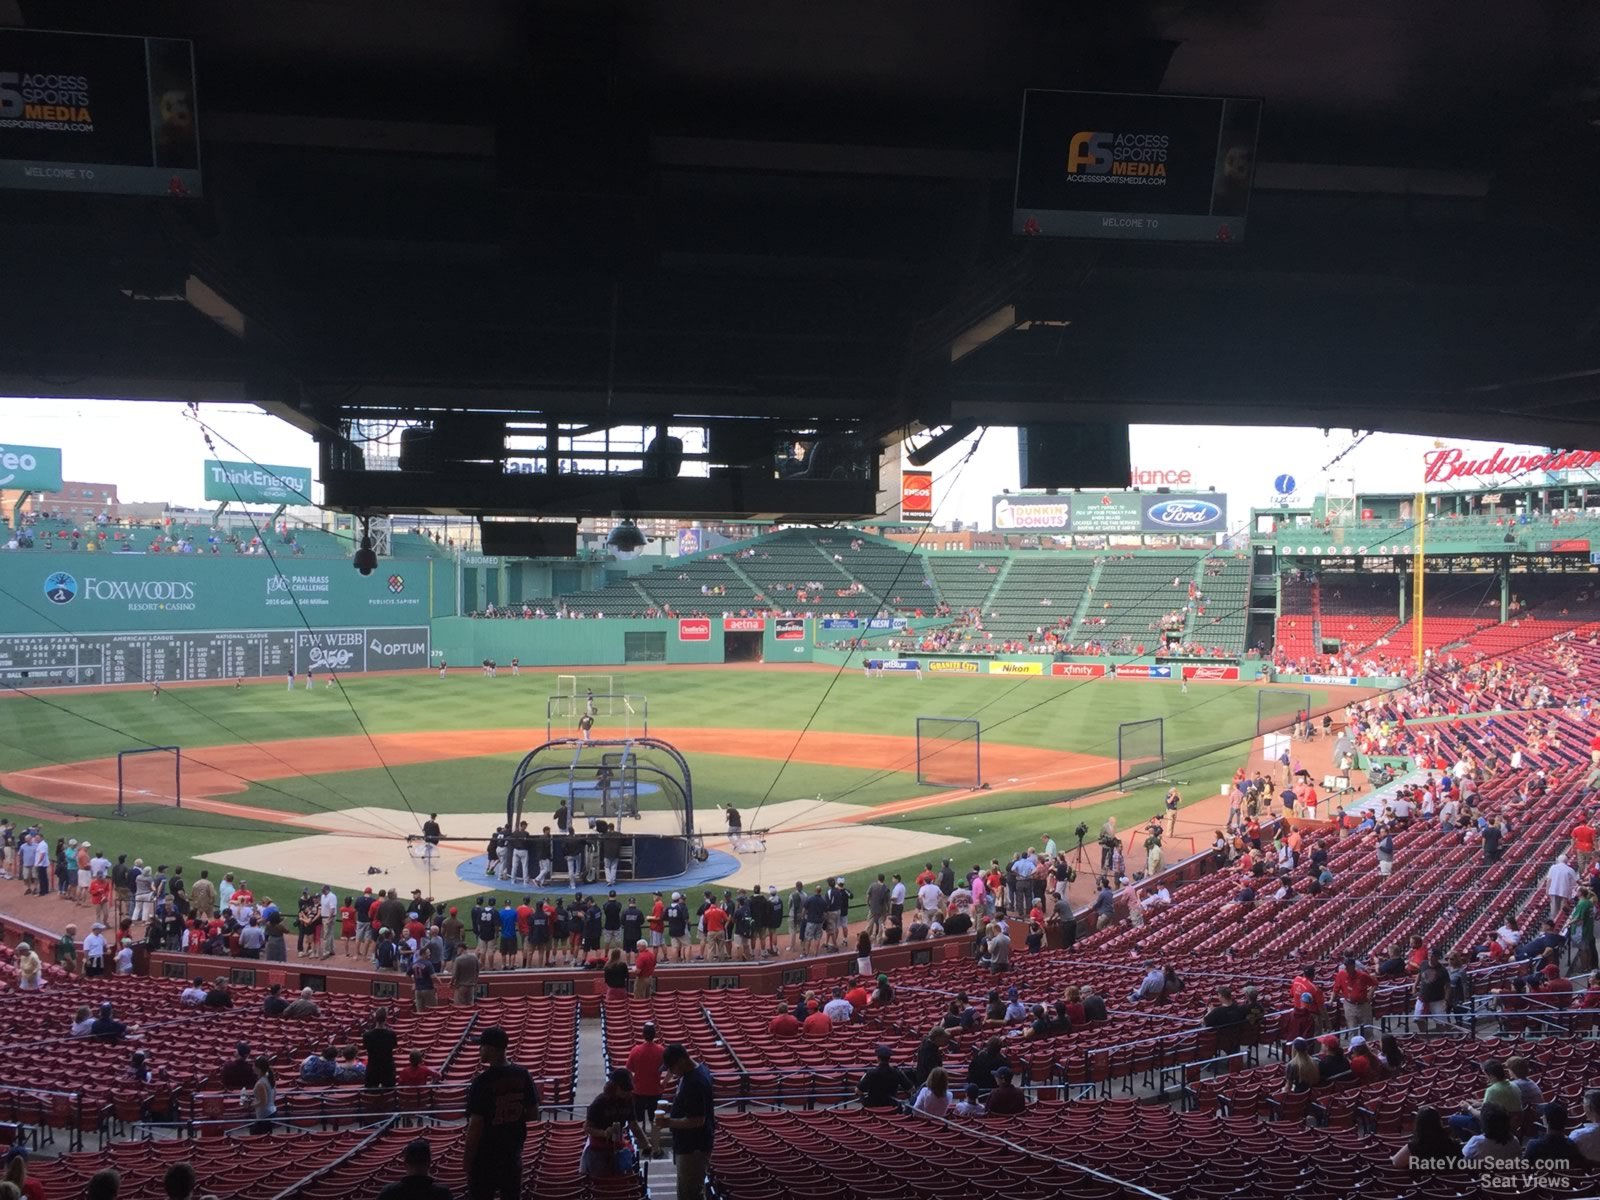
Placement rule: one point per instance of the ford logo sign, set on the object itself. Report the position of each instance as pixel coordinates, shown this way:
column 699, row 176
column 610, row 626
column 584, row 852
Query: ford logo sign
column 1183, row 514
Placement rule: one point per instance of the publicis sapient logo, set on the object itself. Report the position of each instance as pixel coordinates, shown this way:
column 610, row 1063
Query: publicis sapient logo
column 1184, row 514
column 1119, row 158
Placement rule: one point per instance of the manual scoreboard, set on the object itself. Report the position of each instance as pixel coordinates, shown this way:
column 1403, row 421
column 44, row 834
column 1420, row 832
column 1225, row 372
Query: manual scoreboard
column 66, row 660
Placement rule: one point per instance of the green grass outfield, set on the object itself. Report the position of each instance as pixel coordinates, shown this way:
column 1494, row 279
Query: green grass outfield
column 1207, row 733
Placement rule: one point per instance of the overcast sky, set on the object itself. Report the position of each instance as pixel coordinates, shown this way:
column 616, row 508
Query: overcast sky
column 154, row 452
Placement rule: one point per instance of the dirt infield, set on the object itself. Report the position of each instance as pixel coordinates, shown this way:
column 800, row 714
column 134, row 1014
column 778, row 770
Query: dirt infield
column 212, row 772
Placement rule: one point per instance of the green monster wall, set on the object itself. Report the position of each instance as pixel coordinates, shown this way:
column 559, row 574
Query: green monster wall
column 93, row 592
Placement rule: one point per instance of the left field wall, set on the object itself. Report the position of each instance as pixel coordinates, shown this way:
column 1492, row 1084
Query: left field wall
column 89, row 618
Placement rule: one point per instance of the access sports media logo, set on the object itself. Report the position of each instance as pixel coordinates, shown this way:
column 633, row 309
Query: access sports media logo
column 142, row 595
column 1130, row 159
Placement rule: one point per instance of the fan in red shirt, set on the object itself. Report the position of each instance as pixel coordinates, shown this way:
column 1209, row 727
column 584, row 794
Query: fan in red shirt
column 1306, row 1002
column 414, row 1074
column 859, row 997
column 818, row 1025
column 1556, row 988
column 784, row 1024
column 644, row 1064
column 1353, row 988
column 644, row 974
column 926, row 875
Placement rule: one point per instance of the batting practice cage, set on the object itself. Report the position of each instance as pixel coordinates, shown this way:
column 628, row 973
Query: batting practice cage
column 641, row 787
column 949, row 752
column 149, row 775
column 1276, row 709
column 1141, row 753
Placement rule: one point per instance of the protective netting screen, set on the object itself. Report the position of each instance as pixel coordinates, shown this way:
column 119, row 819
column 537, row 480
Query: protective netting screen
column 583, row 685
column 614, row 714
column 1276, row 709
column 149, row 775
column 949, row 752
column 1141, row 752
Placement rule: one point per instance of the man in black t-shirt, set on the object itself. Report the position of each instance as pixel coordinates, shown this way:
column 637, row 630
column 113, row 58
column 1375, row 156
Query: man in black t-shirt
column 380, row 1042
column 693, row 1121
column 500, row 1102
column 883, row 1085
column 632, row 927
column 611, row 911
column 572, row 849
column 678, row 926
column 418, row 1183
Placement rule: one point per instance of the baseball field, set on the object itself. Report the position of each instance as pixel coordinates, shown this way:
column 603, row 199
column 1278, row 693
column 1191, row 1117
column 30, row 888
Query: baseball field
column 294, row 788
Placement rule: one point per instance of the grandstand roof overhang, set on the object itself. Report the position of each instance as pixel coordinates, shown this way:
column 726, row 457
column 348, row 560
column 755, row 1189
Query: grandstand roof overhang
column 784, row 215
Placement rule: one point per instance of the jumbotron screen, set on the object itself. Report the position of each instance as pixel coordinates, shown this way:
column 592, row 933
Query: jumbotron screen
column 1154, row 168
column 87, row 112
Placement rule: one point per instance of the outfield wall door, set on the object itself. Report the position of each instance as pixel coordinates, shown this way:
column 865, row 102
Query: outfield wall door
column 743, row 646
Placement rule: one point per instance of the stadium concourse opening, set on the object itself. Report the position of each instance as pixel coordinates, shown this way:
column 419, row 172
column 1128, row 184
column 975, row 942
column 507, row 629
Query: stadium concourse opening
column 743, row 646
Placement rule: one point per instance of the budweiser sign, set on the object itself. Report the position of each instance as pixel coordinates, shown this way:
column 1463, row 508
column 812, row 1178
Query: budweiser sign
column 1211, row 672
column 1451, row 462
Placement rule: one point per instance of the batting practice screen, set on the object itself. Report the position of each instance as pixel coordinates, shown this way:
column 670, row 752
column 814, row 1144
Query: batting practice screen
column 149, row 775
column 1141, row 752
column 949, row 752
column 1277, row 709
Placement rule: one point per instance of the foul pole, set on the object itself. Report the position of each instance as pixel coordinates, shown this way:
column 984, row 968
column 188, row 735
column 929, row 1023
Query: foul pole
column 1418, row 572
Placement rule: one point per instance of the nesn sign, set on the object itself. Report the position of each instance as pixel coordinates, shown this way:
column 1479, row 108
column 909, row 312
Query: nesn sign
column 1183, row 514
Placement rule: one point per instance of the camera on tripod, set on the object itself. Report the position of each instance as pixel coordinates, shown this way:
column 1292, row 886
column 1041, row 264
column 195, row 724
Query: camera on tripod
column 1081, row 832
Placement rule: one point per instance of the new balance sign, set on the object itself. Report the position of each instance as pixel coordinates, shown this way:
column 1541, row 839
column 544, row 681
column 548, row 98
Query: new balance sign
column 694, row 629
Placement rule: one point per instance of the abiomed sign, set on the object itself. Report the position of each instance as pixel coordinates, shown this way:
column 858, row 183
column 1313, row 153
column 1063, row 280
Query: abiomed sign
column 257, row 483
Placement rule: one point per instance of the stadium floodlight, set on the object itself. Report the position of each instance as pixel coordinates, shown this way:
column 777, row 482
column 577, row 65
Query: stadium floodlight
column 626, row 541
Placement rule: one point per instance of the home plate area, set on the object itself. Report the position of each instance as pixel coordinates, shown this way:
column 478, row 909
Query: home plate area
column 805, row 839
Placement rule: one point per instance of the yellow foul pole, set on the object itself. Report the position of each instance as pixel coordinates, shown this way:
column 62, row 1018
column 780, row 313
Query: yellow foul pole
column 1417, row 575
